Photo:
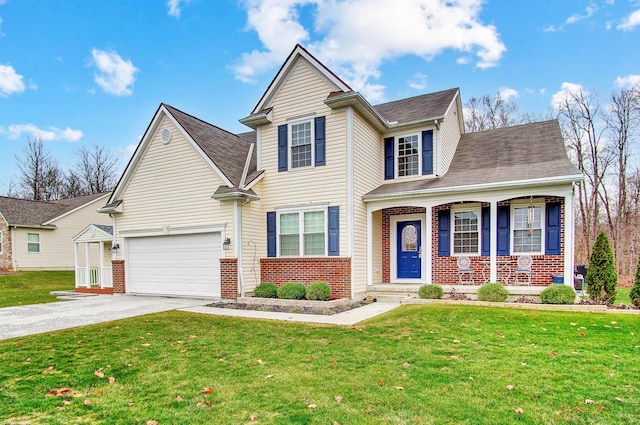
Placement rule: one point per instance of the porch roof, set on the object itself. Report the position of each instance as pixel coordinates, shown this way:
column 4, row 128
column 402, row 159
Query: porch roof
column 514, row 155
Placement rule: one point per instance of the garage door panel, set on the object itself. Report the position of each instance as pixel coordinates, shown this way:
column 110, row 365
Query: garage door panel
column 185, row 265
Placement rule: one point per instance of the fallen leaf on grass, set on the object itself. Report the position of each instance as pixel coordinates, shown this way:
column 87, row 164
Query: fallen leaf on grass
column 208, row 390
column 334, row 361
column 252, row 418
column 112, row 380
column 519, row 411
column 601, row 408
column 405, row 364
column 523, row 363
column 618, row 399
column 456, row 341
column 444, row 368
column 510, row 387
column 192, row 336
column 48, row 369
column 178, row 398
column 573, row 324
column 400, row 388
column 66, row 402
column 498, row 335
column 260, row 361
column 59, row 391
column 338, row 399
column 183, row 351
column 552, row 353
column 268, row 377
column 471, row 378
column 88, row 402
column 99, row 373
column 152, row 422
column 146, row 344
column 588, row 401
column 312, row 406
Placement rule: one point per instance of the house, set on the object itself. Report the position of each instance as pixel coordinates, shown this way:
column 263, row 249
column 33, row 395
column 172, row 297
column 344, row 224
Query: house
column 328, row 187
column 37, row 235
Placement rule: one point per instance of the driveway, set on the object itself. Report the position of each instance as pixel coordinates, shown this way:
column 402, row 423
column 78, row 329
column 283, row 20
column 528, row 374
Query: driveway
column 39, row 318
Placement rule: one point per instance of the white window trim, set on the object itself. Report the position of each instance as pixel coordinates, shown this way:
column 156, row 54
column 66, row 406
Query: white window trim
column 300, row 212
column 396, row 155
column 39, row 243
column 543, row 226
column 311, row 121
column 393, row 241
column 478, row 210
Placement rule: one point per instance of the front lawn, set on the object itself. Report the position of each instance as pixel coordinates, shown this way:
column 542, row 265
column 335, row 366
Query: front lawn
column 428, row 364
column 24, row 288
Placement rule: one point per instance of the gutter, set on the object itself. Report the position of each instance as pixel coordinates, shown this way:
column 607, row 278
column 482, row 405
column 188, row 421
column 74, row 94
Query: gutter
column 235, row 195
column 476, row 187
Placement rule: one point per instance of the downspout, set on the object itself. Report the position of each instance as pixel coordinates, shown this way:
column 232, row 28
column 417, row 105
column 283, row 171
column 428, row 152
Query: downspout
column 237, row 246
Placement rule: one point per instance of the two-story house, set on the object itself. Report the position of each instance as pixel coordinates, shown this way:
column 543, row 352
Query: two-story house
column 328, row 187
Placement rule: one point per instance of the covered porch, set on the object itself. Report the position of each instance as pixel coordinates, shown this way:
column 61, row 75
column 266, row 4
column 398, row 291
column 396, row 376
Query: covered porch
column 521, row 237
column 92, row 248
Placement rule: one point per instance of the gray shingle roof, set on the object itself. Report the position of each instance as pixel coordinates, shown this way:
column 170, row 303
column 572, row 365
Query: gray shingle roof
column 430, row 105
column 523, row 152
column 24, row 212
column 227, row 150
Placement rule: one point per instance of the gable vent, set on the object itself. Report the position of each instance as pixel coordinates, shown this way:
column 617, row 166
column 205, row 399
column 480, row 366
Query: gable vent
column 165, row 135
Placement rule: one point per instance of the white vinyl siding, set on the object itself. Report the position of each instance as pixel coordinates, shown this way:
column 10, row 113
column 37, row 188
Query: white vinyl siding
column 302, row 95
column 448, row 137
column 33, row 243
column 171, row 189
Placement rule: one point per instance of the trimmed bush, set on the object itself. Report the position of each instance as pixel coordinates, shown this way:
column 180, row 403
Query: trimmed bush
column 291, row 291
column 493, row 292
column 318, row 291
column 266, row 290
column 430, row 292
column 558, row 294
column 601, row 277
column 634, row 295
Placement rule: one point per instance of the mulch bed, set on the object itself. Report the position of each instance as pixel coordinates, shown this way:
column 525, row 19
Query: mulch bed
column 327, row 311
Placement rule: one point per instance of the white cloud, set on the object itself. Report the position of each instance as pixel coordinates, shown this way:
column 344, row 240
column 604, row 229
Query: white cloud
column 630, row 22
column 354, row 43
column 418, row 81
column 115, row 76
column 566, row 92
column 462, row 61
column 628, row 81
column 589, row 11
column 174, row 7
column 15, row 131
column 506, row 93
column 552, row 28
column 10, row 81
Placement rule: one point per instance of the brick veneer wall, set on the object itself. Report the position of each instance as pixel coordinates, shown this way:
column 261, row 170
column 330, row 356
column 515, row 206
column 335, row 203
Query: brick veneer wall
column 117, row 272
column 6, row 263
column 336, row 271
column 386, row 235
column 229, row 278
column 445, row 269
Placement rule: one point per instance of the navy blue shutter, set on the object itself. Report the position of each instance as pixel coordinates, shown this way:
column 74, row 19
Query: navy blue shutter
column 271, row 234
column 427, row 152
column 444, row 238
column 485, row 250
column 283, row 162
column 389, row 171
column 320, row 140
column 504, row 217
column 334, row 231
column 553, row 229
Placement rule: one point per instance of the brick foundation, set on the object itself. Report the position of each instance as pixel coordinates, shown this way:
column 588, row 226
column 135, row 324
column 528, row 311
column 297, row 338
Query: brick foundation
column 229, row 278
column 336, row 271
column 117, row 271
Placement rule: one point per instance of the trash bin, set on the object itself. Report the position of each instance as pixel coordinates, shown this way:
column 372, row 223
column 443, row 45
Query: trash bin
column 557, row 279
column 578, row 282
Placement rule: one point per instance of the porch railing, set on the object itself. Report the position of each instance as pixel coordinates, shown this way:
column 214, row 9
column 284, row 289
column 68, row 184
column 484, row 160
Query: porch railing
column 98, row 277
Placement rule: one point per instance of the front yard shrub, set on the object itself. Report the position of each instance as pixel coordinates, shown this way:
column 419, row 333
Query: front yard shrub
column 318, row 291
column 634, row 295
column 558, row 294
column 493, row 292
column 430, row 292
column 266, row 290
column 601, row 277
column 291, row 291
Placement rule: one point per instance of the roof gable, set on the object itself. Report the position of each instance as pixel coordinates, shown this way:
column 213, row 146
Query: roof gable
column 299, row 53
column 418, row 108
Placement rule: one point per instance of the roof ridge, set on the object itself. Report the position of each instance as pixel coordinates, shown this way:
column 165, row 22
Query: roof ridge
column 552, row 120
column 417, row 96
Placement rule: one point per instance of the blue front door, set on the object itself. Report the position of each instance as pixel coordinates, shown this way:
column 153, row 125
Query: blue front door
column 408, row 250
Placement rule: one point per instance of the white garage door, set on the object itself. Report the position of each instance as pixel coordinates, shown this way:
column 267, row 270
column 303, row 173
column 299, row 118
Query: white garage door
column 184, row 265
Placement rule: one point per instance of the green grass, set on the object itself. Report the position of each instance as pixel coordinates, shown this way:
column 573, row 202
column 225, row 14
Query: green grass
column 436, row 364
column 33, row 287
column 622, row 296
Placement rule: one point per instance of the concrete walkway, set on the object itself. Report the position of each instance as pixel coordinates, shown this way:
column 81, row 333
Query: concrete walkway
column 39, row 318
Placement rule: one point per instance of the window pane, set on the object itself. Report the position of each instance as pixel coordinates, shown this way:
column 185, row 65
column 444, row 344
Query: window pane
column 527, row 229
column 33, row 242
column 314, row 233
column 408, row 156
column 314, row 244
column 410, row 238
column 465, row 232
column 314, row 222
column 289, row 224
column 301, row 134
column 301, row 145
column 289, row 234
column 289, row 245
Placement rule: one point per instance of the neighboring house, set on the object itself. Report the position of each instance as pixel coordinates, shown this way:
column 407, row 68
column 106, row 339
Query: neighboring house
column 331, row 188
column 37, row 235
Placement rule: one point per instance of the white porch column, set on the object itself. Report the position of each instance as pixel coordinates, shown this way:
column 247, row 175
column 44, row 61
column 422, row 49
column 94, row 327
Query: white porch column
column 87, row 271
column 75, row 256
column 101, row 264
column 493, row 241
column 569, row 230
column 369, row 247
column 427, row 252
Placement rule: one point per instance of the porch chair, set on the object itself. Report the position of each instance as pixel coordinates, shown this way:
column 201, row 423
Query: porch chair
column 524, row 270
column 464, row 269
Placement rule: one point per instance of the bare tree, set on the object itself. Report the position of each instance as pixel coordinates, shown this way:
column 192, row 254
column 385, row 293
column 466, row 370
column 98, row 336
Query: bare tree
column 488, row 112
column 95, row 171
column 40, row 177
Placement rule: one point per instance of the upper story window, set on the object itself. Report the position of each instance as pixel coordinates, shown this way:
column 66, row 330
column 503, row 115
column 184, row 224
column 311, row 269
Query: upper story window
column 301, row 144
column 33, row 242
column 408, row 155
column 527, row 229
column 466, row 231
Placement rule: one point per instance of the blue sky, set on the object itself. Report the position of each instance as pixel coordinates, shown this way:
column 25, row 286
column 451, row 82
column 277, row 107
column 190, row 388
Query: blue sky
column 76, row 73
